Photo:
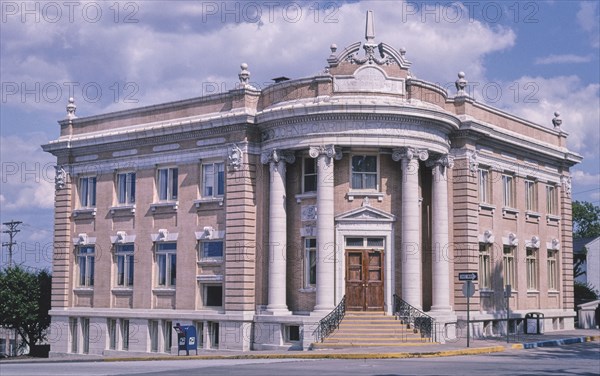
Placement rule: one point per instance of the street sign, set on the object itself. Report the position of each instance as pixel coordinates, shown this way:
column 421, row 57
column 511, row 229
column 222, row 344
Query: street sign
column 468, row 289
column 508, row 291
column 467, row 276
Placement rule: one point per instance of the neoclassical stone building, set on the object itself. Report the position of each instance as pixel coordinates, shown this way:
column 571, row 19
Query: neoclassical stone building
column 252, row 213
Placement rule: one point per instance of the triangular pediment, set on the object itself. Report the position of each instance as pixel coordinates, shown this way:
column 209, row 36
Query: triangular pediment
column 365, row 213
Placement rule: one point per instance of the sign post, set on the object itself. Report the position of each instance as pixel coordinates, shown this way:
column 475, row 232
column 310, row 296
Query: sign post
column 468, row 290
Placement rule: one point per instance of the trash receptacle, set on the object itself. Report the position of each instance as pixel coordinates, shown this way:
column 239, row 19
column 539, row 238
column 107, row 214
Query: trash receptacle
column 186, row 338
column 534, row 323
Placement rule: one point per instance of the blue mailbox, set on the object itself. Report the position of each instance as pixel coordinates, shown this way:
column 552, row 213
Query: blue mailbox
column 186, row 338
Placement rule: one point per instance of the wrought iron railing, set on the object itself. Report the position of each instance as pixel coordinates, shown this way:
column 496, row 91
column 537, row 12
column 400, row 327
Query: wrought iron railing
column 330, row 322
column 415, row 319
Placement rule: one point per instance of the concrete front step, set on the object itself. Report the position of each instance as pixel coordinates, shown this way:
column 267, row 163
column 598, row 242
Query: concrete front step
column 366, row 329
column 326, row 345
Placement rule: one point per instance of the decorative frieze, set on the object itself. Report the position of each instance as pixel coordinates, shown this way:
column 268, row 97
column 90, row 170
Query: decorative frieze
column 236, row 157
column 566, row 183
column 309, row 213
column 60, row 178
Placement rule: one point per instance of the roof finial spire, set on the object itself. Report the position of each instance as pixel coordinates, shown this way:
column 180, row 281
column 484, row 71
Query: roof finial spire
column 370, row 28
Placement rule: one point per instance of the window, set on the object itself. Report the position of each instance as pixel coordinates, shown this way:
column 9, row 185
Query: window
column 200, row 334
column 310, row 262
column 124, row 258
column 112, row 333
column 211, row 249
column 166, row 259
column 552, row 270
column 508, row 264
column 87, row 192
column 484, row 266
column 126, row 188
column 532, row 269
column 292, row 333
column 309, row 175
column 167, row 335
column 167, row 184
column 530, row 195
column 86, row 261
column 213, row 180
column 213, row 295
column 508, row 190
column 551, row 200
column 484, row 186
column 73, row 334
column 364, row 172
column 85, row 333
column 125, row 334
column 153, row 332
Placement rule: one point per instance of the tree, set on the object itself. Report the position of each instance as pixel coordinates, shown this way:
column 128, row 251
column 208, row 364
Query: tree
column 586, row 220
column 584, row 293
column 25, row 302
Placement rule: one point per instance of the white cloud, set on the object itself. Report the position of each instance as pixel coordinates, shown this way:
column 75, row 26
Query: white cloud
column 163, row 63
column 585, row 178
column 589, row 20
column 27, row 174
column 562, row 59
column 537, row 98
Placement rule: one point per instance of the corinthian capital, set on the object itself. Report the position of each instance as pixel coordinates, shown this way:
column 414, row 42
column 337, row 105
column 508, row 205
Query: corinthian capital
column 276, row 156
column 331, row 151
column 409, row 153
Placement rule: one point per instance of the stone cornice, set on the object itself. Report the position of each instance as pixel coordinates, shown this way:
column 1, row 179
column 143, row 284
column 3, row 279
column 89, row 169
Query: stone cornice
column 162, row 106
column 522, row 144
column 138, row 139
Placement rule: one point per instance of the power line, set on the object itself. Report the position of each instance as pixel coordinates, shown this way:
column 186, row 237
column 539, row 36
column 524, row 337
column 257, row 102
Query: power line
column 12, row 231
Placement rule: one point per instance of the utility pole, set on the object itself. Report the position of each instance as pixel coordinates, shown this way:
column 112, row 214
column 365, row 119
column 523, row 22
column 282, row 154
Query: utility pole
column 12, row 231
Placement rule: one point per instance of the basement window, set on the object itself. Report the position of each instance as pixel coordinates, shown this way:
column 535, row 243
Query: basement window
column 292, row 333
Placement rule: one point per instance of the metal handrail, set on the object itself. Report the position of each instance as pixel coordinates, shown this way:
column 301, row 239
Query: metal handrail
column 330, row 322
column 415, row 318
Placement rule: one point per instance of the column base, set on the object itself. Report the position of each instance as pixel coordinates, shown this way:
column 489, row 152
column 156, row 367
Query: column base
column 322, row 309
column 278, row 310
column 441, row 309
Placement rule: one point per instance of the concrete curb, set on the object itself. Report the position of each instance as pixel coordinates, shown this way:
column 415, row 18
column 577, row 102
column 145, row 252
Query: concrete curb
column 554, row 342
column 432, row 354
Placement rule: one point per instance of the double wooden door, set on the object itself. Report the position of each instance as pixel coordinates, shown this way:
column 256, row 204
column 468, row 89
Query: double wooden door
column 364, row 280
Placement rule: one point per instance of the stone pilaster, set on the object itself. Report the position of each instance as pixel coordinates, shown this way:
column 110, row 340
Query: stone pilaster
column 240, row 251
column 325, row 226
column 62, row 260
column 277, row 229
column 465, row 213
column 412, row 283
column 566, row 248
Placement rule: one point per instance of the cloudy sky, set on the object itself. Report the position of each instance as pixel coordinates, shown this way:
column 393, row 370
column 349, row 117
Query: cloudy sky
column 529, row 58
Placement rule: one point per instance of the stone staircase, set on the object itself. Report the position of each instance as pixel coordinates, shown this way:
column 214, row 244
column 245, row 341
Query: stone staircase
column 367, row 329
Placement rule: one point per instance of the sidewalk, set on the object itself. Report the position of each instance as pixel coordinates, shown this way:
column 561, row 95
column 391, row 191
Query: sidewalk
column 455, row 348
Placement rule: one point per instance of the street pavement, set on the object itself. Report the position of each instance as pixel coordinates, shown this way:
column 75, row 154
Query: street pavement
column 455, row 347
column 575, row 359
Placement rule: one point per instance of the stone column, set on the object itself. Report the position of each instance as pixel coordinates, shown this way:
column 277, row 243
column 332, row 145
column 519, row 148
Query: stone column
column 325, row 299
column 412, row 283
column 440, row 241
column 277, row 229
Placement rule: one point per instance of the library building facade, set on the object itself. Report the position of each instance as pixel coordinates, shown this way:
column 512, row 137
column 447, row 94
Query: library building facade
column 253, row 214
